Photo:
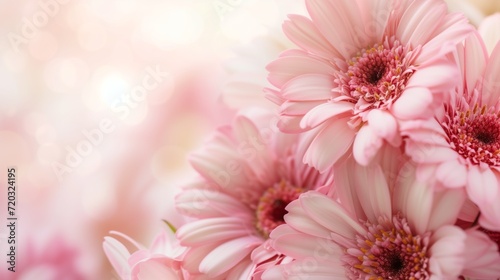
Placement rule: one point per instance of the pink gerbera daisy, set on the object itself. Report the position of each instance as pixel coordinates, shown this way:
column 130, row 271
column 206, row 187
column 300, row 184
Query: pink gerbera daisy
column 380, row 230
column 363, row 66
column 461, row 145
column 251, row 172
column 160, row 261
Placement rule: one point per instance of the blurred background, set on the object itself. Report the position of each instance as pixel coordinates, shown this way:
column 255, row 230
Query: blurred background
column 100, row 104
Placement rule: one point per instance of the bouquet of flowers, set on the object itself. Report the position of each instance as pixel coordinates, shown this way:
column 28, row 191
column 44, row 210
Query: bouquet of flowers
column 375, row 156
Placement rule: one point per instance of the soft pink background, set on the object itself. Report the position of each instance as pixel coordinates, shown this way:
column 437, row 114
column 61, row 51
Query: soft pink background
column 64, row 68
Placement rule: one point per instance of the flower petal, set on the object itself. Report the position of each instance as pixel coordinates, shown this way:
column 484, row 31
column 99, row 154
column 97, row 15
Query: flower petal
column 481, row 256
column 331, row 143
column 450, row 32
column 482, row 186
column 419, row 21
column 385, row 126
column 340, row 23
column 330, row 214
column 212, row 230
column 491, row 81
column 117, row 255
column 305, row 34
column 286, row 68
column 414, row 103
column 448, row 246
column 300, row 221
column 438, row 76
column 308, row 87
column 373, row 192
column 452, row 174
column 324, row 112
column 228, row 255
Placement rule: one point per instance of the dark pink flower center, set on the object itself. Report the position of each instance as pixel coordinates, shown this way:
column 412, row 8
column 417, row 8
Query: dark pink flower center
column 475, row 135
column 271, row 208
column 389, row 251
column 376, row 77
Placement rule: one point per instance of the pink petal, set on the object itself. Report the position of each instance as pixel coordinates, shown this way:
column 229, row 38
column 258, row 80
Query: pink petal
column 286, row 68
column 481, row 257
column 248, row 126
column 385, row 126
column 300, row 221
column 446, row 254
column 375, row 14
column 304, row 33
column 300, row 246
column 330, row 215
column 228, row 254
column 490, row 216
column 366, row 145
column 347, row 195
column 424, row 125
column 414, row 103
column 274, row 96
column 427, row 132
column 372, row 191
column 482, row 186
column 212, row 230
column 450, row 32
column 340, row 23
column 298, row 108
column 419, row 21
column 215, row 171
column 195, row 255
column 290, row 124
column 412, row 194
column 324, row 112
column 491, row 81
column 311, row 268
column 242, row 271
column 117, row 255
column 439, row 76
column 429, row 153
column 446, row 208
column 452, row 174
column 331, row 143
column 154, row 270
column 308, row 87
column 207, row 203
column 475, row 58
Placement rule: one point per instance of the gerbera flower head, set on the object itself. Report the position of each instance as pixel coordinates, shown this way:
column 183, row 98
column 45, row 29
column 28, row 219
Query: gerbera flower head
column 362, row 67
column 250, row 172
column 160, row 261
column 460, row 147
column 378, row 229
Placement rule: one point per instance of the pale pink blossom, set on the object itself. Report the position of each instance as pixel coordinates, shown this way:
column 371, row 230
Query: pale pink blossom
column 381, row 229
column 460, row 147
column 161, row 261
column 250, row 173
column 362, row 67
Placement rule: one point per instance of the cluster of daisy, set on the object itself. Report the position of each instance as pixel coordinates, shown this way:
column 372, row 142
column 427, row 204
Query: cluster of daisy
column 381, row 159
